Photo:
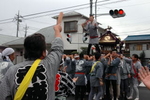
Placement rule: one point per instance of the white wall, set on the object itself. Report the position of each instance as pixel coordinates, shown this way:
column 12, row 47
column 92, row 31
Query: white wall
column 76, row 37
column 147, row 53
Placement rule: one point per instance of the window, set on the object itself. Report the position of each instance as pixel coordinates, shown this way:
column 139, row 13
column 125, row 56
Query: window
column 145, row 47
column 148, row 46
column 138, row 47
column 70, row 26
column 132, row 46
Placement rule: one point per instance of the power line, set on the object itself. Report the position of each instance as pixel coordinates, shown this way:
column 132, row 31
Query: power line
column 53, row 10
column 6, row 19
column 136, row 4
column 73, row 9
column 6, row 22
column 38, row 21
column 128, row 5
column 30, row 27
column 129, row 24
column 136, row 31
column 62, row 9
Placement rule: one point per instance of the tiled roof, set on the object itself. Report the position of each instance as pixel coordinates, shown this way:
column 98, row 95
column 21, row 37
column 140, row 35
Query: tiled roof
column 6, row 38
column 137, row 37
column 48, row 32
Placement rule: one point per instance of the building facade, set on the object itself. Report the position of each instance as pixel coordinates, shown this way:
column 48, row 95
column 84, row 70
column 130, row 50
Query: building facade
column 71, row 24
column 138, row 44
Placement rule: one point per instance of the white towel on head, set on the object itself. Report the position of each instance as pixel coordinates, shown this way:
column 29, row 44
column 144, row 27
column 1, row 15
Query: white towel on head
column 7, row 51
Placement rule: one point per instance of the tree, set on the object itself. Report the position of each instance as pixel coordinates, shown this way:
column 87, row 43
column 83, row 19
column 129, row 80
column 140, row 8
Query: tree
column 84, row 50
column 74, row 52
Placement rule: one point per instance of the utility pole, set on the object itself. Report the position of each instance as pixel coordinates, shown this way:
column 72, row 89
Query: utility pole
column 96, row 10
column 91, row 7
column 26, row 28
column 17, row 18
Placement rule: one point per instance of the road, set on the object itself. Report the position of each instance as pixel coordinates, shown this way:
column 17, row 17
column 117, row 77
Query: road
column 144, row 94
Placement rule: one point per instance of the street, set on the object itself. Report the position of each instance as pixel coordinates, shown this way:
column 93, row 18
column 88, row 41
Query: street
column 144, row 94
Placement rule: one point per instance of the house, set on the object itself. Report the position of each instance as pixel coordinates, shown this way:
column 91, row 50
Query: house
column 138, row 44
column 17, row 44
column 71, row 24
column 4, row 39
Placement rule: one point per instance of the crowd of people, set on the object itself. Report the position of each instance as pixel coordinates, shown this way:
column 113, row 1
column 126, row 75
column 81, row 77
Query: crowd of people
column 57, row 76
column 104, row 76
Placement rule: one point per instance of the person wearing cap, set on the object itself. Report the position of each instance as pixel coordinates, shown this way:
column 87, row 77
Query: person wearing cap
column 6, row 59
column 91, row 26
column 64, row 84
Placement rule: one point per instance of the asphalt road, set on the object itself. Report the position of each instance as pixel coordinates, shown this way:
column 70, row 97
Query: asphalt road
column 144, row 94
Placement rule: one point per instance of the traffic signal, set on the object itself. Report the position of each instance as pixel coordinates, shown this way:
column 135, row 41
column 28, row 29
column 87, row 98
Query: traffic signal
column 69, row 38
column 84, row 38
column 117, row 13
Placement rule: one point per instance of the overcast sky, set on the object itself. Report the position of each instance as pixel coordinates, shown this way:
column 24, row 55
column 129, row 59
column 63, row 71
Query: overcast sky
column 136, row 21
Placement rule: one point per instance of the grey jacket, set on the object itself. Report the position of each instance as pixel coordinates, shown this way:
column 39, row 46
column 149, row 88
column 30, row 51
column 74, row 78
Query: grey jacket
column 92, row 32
column 124, row 69
column 4, row 66
column 137, row 65
column 112, row 69
column 70, row 67
column 80, row 72
column 104, row 62
column 43, row 81
column 96, row 74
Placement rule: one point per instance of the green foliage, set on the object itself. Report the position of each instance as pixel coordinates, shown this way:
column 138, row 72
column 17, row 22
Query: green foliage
column 74, row 52
column 84, row 50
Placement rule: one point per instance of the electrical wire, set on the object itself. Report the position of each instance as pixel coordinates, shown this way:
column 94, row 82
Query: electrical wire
column 61, row 9
column 136, row 31
column 54, row 10
column 72, row 10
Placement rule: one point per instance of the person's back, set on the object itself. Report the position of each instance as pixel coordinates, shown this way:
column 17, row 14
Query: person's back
column 4, row 66
column 42, row 83
column 6, row 58
column 64, row 85
column 96, row 79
